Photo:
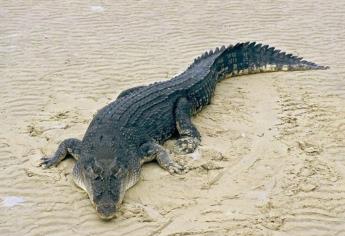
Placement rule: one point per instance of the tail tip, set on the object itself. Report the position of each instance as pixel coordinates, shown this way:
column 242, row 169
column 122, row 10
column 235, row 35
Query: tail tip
column 323, row 67
column 314, row 66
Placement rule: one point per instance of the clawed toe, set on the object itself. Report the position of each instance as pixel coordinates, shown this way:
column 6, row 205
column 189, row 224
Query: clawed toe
column 186, row 145
column 175, row 168
column 47, row 162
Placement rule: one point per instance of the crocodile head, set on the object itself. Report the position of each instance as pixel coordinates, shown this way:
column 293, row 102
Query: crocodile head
column 105, row 184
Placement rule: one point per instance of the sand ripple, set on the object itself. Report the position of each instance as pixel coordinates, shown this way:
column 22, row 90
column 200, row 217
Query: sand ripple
column 273, row 144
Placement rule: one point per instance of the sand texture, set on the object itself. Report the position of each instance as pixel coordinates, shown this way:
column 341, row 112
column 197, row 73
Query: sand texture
column 272, row 159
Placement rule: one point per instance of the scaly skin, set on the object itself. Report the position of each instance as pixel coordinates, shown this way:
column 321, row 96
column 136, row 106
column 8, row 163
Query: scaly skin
column 128, row 132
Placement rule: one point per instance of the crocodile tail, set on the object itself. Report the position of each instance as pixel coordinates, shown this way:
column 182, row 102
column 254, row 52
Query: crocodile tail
column 250, row 58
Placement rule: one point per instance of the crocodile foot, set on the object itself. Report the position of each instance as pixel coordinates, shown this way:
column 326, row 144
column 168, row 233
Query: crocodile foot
column 170, row 165
column 47, row 161
column 68, row 146
column 186, row 145
column 175, row 168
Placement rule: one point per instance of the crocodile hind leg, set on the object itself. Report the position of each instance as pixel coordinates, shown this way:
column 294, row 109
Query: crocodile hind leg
column 151, row 151
column 68, row 146
column 189, row 138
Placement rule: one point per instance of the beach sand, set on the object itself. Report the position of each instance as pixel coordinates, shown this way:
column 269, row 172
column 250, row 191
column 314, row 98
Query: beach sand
column 272, row 159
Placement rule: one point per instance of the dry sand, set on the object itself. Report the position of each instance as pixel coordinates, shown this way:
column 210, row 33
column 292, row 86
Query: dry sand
column 272, row 160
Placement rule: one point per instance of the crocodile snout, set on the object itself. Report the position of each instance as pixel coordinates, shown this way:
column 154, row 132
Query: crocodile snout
column 106, row 211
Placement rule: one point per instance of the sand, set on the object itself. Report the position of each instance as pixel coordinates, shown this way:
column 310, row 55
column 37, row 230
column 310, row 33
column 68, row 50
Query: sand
column 273, row 150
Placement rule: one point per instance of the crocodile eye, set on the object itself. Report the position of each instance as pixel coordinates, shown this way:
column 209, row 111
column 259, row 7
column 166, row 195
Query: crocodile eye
column 94, row 172
column 97, row 177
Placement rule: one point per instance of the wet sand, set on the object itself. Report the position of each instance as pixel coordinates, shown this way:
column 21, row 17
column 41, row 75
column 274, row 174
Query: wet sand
column 273, row 150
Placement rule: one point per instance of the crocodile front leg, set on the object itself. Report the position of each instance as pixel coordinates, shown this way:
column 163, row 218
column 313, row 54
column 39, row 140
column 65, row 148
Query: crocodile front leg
column 68, row 146
column 189, row 136
column 153, row 151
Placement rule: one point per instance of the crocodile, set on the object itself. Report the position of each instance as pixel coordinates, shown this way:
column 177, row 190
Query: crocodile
column 130, row 131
